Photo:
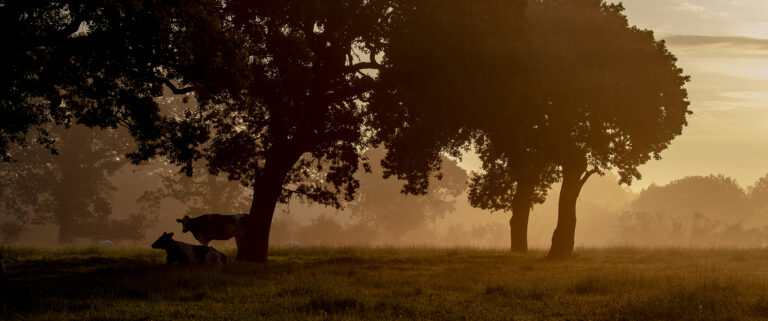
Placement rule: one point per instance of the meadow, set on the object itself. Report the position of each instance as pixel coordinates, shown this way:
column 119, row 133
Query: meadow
column 387, row 284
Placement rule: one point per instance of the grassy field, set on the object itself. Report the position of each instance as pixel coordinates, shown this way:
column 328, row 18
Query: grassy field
column 387, row 284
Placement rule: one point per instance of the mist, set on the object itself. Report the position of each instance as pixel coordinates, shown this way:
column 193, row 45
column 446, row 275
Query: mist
column 694, row 211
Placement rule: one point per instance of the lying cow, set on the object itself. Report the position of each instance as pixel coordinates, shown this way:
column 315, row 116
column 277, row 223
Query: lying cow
column 180, row 252
column 210, row 227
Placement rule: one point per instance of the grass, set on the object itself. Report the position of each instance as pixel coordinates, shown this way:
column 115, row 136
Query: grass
column 388, row 284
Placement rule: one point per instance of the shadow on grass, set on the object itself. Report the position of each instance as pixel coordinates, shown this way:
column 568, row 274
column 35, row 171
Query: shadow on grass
column 74, row 283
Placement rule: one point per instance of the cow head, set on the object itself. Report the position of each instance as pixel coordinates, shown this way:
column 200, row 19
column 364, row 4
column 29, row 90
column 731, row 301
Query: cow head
column 163, row 241
column 184, row 223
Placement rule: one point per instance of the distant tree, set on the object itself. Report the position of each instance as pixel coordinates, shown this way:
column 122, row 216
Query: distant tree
column 71, row 190
column 641, row 228
column 381, row 205
column 715, row 196
column 200, row 193
column 758, row 194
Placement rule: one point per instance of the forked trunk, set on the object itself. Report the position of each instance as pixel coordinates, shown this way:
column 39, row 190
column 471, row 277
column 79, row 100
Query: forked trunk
column 521, row 210
column 565, row 232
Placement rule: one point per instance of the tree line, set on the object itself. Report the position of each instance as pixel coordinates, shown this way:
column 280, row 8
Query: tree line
column 285, row 97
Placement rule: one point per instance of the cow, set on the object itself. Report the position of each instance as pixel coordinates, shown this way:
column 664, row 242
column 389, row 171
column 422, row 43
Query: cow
column 292, row 244
column 180, row 252
column 210, row 227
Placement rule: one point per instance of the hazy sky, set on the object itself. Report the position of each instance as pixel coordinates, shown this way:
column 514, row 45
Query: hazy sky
column 723, row 46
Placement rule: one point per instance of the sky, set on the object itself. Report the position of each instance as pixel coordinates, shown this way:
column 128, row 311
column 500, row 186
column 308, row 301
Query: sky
column 723, row 46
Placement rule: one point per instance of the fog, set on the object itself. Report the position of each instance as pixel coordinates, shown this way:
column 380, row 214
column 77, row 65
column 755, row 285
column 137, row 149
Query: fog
column 696, row 211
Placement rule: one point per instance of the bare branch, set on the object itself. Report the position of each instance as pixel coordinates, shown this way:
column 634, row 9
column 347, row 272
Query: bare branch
column 363, row 65
column 174, row 89
column 589, row 173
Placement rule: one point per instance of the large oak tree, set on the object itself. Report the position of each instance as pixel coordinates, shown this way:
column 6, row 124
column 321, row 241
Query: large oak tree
column 613, row 96
column 291, row 123
column 100, row 63
column 276, row 87
column 598, row 95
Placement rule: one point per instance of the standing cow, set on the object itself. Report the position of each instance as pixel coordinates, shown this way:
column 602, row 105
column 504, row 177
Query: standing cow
column 209, row 227
column 180, row 252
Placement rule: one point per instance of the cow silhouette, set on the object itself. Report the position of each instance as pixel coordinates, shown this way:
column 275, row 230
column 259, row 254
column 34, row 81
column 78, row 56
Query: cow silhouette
column 185, row 253
column 209, row 227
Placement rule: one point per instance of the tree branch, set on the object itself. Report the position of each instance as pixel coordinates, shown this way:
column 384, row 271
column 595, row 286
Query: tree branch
column 363, row 65
column 295, row 192
column 589, row 173
column 71, row 28
column 174, row 89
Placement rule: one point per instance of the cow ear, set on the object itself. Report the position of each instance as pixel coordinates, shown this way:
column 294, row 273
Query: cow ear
column 178, row 220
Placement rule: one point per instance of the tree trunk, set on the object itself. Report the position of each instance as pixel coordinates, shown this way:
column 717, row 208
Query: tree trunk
column 253, row 231
column 521, row 210
column 68, row 206
column 565, row 232
column 66, row 232
column 252, row 235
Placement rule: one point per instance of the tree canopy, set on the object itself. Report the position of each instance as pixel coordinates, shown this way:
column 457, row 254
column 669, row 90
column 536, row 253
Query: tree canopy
column 597, row 95
column 100, row 63
column 285, row 96
column 447, row 66
column 716, row 196
column 380, row 204
column 71, row 190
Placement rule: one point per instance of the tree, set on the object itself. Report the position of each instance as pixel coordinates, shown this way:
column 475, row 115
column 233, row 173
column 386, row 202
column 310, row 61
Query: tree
column 293, row 126
column 758, row 193
column 716, row 196
column 277, row 88
column 612, row 95
column 511, row 182
column 442, row 80
column 100, row 63
column 71, row 190
column 600, row 95
column 201, row 193
column 454, row 90
column 380, row 204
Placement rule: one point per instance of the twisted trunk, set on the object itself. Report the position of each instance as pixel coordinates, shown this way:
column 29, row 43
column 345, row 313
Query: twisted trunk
column 574, row 176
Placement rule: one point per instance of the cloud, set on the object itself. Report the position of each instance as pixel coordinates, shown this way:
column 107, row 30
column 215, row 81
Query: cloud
column 733, row 42
column 704, row 12
column 691, row 7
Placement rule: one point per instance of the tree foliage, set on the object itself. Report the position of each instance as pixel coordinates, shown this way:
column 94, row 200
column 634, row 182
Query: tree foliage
column 100, row 63
column 200, row 193
column 71, row 190
column 381, row 205
column 716, row 196
column 449, row 65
